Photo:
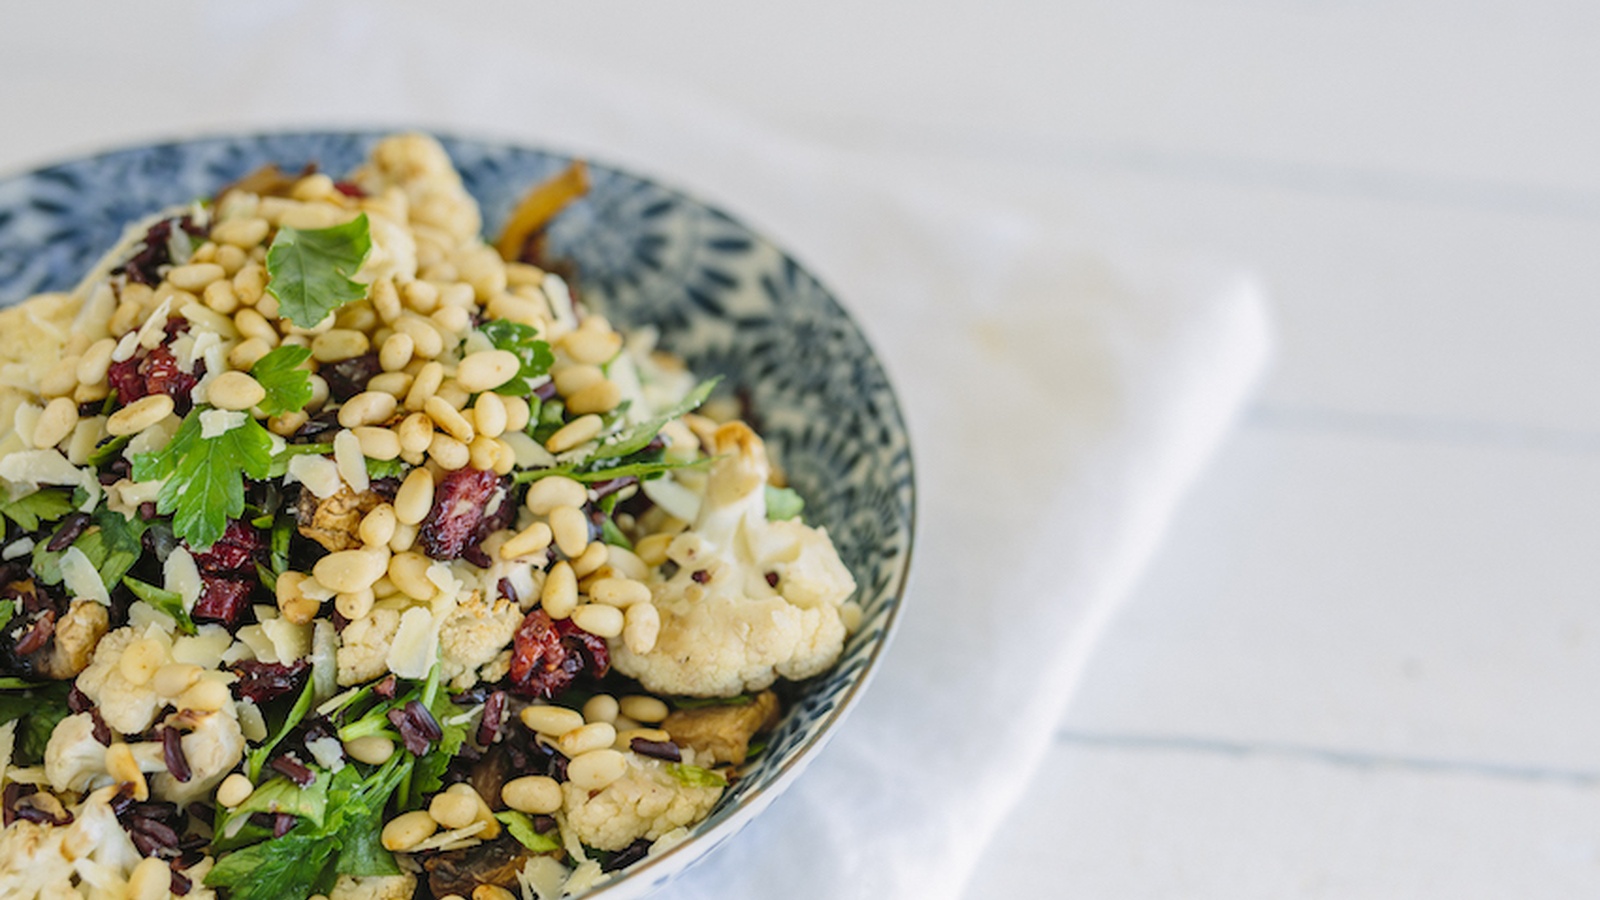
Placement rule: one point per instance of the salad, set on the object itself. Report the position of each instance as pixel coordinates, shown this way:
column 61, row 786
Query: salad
column 347, row 554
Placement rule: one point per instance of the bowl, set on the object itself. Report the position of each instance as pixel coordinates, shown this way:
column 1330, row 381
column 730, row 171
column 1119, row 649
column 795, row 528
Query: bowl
column 726, row 299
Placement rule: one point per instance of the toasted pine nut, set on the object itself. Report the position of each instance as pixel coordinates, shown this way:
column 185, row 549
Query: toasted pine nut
column 396, row 383
column 619, row 592
column 173, row 679
column 552, row 491
column 377, row 443
column 579, row 431
column 235, row 390
column 409, row 572
column 532, row 794
column 596, row 769
column 484, row 452
column 591, row 559
column 599, row 619
column 348, row 571
column 448, row 418
column 377, row 526
column 415, row 497
column 425, row 385
column 408, row 830
column 570, row 528
column 355, row 605
column 220, row 297
column 416, row 433
column 247, row 353
column 453, row 810
column 367, row 408
column 242, row 233
column 600, row 708
column 643, row 708
column 591, row 736
column 139, row 415
column 60, row 416
column 252, row 324
column 449, row 453
column 337, row 344
column 96, row 360
column 234, row 790
column 396, row 352
column 385, row 301
column 194, row 276
column 151, row 879
column 559, row 596
column 487, row 370
column 572, row 379
column 425, row 338
column 122, row 767
column 517, row 413
column 373, row 749
column 553, row 721
column 600, row 397
column 205, row 695
column 533, row 539
column 489, row 414
column 591, row 345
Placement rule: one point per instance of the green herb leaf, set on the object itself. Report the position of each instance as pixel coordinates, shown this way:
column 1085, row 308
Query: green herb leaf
column 205, row 476
column 109, row 450
column 39, row 708
column 639, row 436
column 298, row 864
column 524, row 341
column 521, row 827
column 309, row 270
column 163, row 600
column 40, row 506
column 783, row 503
column 112, row 544
column 694, row 776
column 259, row 756
column 8, row 608
column 287, row 382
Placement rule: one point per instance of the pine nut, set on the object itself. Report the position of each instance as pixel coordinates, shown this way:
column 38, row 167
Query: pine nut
column 641, row 627
column 173, row 679
column 373, row 749
column 96, row 361
column 220, row 297
column 242, row 233
column 194, row 276
column 415, row 497
column 235, row 390
column 483, row 452
column 533, row 539
column 396, row 352
column 591, row 559
column 396, row 383
column 377, row 443
column 247, row 353
column 517, row 413
column 206, row 695
column 643, row 708
column 453, row 810
column 421, row 296
column 234, row 790
column 619, row 592
column 356, row 604
column 367, row 408
column 570, row 528
column 151, row 879
column 492, row 892
column 416, row 433
column 426, row 341
column 592, row 736
column 286, row 424
column 598, row 619
column 124, row 769
column 448, row 418
column 451, row 393
column 231, row 259
column 408, row 830
column 489, row 414
column 348, row 571
column 487, row 370
column 452, row 319
column 139, row 415
column 249, row 284
column 579, row 431
column 532, row 794
column 292, row 602
column 601, row 397
column 552, row 721
column 572, row 379
column 449, row 453
column 627, row 564
column 601, row 708
column 505, row 458
column 338, row 344
column 409, row 572
column 552, row 491
column 425, row 385
column 559, row 595
column 385, row 301
column 60, row 416
column 377, row 526
column 596, row 769
column 591, row 345
column 252, row 324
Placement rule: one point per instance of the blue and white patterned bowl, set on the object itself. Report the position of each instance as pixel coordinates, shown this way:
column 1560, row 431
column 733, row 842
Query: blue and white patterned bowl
column 722, row 296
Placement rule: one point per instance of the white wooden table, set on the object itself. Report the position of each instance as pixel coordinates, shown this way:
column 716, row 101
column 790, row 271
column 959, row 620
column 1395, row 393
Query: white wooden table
column 1366, row 663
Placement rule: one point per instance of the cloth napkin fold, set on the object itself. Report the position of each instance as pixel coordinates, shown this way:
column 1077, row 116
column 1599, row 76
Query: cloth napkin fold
column 1062, row 396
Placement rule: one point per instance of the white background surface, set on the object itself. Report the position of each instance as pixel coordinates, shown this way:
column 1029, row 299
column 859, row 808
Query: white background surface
column 1366, row 661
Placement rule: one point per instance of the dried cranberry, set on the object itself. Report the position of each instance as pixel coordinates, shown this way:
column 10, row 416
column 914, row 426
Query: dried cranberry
column 459, row 504
column 262, row 681
column 236, row 552
column 547, row 656
column 349, row 189
column 222, row 600
column 142, row 266
column 348, row 377
column 154, row 372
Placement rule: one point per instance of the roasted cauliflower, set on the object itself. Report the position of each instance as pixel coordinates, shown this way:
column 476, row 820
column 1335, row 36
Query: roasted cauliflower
column 646, row 802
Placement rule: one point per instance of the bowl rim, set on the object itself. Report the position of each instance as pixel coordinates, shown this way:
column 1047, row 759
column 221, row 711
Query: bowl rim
column 752, row 804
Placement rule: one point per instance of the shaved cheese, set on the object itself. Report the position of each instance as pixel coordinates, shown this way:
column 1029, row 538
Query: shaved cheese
column 17, row 548
column 445, row 838
column 204, row 648
column 319, row 474
column 251, row 721
column 352, row 465
column 217, row 422
column 416, row 644
column 328, row 752
column 154, row 329
column 8, row 738
column 676, row 499
column 254, row 637
column 289, row 641
column 182, row 577
column 81, row 579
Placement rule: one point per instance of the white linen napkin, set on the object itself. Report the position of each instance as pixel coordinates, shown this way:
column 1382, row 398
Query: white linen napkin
column 1061, row 396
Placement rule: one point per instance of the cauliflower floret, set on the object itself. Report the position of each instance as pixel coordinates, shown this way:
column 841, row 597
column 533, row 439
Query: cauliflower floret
column 46, row 861
column 375, row 887
column 127, row 707
column 472, row 635
column 73, row 759
column 646, row 802
column 732, row 630
column 213, row 746
column 364, row 646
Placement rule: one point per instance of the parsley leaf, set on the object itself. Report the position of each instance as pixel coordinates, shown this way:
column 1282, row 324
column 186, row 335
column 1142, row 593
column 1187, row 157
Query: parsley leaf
column 521, row 827
column 288, row 384
column 523, row 341
column 39, row 506
column 695, row 776
column 310, row 269
column 639, row 436
column 783, row 503
column 163, row 600
column 112, row 543
column 204, row 477
column 39, row 708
